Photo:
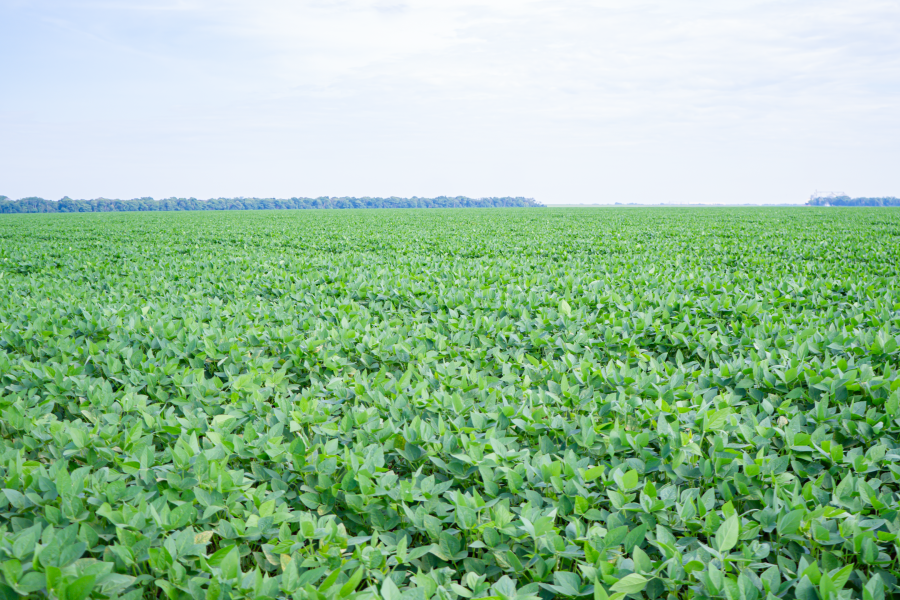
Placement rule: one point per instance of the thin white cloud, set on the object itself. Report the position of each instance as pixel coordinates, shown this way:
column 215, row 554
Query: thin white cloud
column 588, row 59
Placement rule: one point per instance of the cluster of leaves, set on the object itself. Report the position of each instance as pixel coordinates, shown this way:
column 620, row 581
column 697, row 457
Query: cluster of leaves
column 514, row 405
column 68, row 205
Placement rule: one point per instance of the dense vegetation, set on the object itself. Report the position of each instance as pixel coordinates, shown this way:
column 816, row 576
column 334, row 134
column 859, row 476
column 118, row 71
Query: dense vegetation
column 848, row 201
column 661, row 403
column 67, row 205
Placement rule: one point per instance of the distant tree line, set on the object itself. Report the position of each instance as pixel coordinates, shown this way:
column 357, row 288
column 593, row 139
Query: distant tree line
column 67, row 205
column 848, row 201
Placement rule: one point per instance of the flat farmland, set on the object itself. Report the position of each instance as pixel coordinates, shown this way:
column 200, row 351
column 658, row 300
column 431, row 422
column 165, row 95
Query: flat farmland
column 462, row 403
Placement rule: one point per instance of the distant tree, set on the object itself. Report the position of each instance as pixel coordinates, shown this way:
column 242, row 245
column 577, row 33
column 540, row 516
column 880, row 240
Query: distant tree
column 848, row 201
column 66, row 204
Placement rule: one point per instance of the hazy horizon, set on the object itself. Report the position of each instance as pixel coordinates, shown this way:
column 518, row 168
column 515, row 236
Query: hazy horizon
column 565, row 102
column 560, row 204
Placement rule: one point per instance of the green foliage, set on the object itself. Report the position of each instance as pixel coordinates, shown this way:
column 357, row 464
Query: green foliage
column 848, row 201
column 516, row 404
column 67, row 205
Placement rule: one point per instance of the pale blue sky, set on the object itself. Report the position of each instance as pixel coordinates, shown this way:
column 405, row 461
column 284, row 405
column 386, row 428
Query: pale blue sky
column 563, row 101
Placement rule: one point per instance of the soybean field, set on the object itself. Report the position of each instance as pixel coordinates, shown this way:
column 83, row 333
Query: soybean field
column 449, row 404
